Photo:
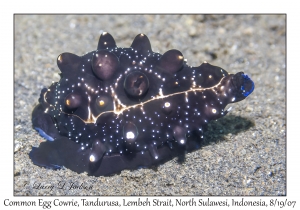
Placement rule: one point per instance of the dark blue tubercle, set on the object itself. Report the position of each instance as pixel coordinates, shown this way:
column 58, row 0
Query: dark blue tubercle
column 248, row 85
column 44, row 134
column 36, row 160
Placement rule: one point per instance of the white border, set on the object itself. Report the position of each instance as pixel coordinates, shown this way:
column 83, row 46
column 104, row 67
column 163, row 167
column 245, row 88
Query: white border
column 153, row 6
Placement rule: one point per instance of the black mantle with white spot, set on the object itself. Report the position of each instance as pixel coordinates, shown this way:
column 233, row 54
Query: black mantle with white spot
column 124, row 108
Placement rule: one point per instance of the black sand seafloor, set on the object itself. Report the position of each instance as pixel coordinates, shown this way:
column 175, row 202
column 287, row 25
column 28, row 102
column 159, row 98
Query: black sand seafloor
column 242, row 153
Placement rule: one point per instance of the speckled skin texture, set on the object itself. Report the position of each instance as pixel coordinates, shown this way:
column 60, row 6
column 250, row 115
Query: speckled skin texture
column 242, row 154
column 122, row 108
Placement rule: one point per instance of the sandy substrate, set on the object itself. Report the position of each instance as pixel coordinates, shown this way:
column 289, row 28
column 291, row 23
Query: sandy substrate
column 243, row 154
